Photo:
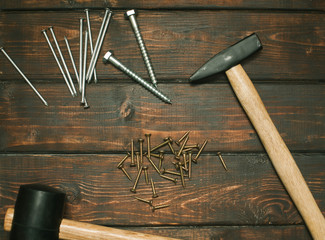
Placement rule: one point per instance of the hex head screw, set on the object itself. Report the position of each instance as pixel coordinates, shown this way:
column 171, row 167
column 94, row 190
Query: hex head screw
column 131, row 15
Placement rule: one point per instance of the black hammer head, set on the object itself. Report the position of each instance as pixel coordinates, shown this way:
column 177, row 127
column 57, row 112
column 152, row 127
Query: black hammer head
column 229, row 57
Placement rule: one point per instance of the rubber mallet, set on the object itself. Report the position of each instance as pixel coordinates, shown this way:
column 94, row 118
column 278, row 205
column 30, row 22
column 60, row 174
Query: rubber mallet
column 38, row 216
column 228, row 60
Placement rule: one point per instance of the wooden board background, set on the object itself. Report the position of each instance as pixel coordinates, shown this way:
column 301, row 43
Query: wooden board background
column 77, row 150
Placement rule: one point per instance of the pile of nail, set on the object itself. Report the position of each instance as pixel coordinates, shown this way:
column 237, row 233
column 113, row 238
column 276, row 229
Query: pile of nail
column 82, row 75
column 143, row 159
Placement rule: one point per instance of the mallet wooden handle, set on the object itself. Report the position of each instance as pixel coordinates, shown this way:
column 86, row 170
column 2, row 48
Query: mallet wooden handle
column 73, row 230
column 277, row 150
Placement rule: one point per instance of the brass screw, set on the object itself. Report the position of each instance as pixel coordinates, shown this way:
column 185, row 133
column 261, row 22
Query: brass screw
column 154, row 165
column 154, row 192
column 182, row 175
column 145, row 169
column 182, row 138
column 185, row 160
column 201, row 149
column 145, row 201
column 197, row 146
column 169, row 178
column 132, row 154
column 166, row 141
column 141, row 150
column 133, row 189
column 148, row 144
column 182, row 147
column 172, row 172
column 170, row 144
column 189, row 164
column 125, row 172
column 137, row 157
column 161, row 158
column 154, row 208
column 123, row 160
column 222, row 161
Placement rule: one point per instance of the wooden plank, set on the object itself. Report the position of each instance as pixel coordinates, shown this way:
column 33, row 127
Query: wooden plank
column 250, row 193
column 222, row 232
column 122, row 111
column 178, row 42
column 209, row 4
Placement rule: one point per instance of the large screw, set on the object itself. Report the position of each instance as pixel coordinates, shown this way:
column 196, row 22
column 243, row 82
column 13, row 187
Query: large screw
column 90, row 40
column 63, row 61
column 131, row 15
column 99, row 43
column 23, row 75
column 57, row 61
column 110, row 58
column 133, row 189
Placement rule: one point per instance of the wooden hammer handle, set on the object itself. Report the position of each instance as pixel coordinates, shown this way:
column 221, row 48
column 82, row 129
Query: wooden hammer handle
column 277, row 150
column 73, row 230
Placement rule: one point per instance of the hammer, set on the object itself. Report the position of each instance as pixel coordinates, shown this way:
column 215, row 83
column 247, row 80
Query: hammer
column 38, row 216
column 228, row 60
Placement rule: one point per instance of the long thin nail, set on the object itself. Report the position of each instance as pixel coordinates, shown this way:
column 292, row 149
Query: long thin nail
column 222, row 161
column 83, row 88
column 133, row 189
column 154, row 192
column 81, row 21
column 63, row 61
column 94, row 58
column 125, row 172
column 58, row 62
column 72, row 59
column 23, row 75
column 200, row 151
column 90, row 40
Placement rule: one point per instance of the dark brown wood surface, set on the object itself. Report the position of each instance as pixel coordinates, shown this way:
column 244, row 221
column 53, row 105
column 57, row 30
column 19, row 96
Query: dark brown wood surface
column 77, row 150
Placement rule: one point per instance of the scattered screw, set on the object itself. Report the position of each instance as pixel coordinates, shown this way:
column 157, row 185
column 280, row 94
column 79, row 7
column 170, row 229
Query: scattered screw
column 148, row 144
column 125, row 172
column 161, row 159
column 154, row 165
column 222, row 161
column 181, row 149
column 145, row 169
column 131, row 15
column 182, row 138
column 133, row 164
column 166, row 141
column 154, row 193
column 197, row 146
column 23, row 75
column 133, row 189
column 141, row 150
column 201, row 149
column 169, row 178
column 182, row 175
column 110, row 58
column 154, row 208
column 171, row 172
column 123, row 160
column 145, row 201
column 170, row 144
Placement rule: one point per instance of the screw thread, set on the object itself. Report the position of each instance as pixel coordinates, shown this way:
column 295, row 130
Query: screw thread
column 145, row 56
column 139, row 80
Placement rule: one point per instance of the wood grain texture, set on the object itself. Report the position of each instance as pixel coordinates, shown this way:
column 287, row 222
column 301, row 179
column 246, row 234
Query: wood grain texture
column 122, row 111
column 207, row 4
column 178, row 42
column 250, row 193
column 296, row 232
